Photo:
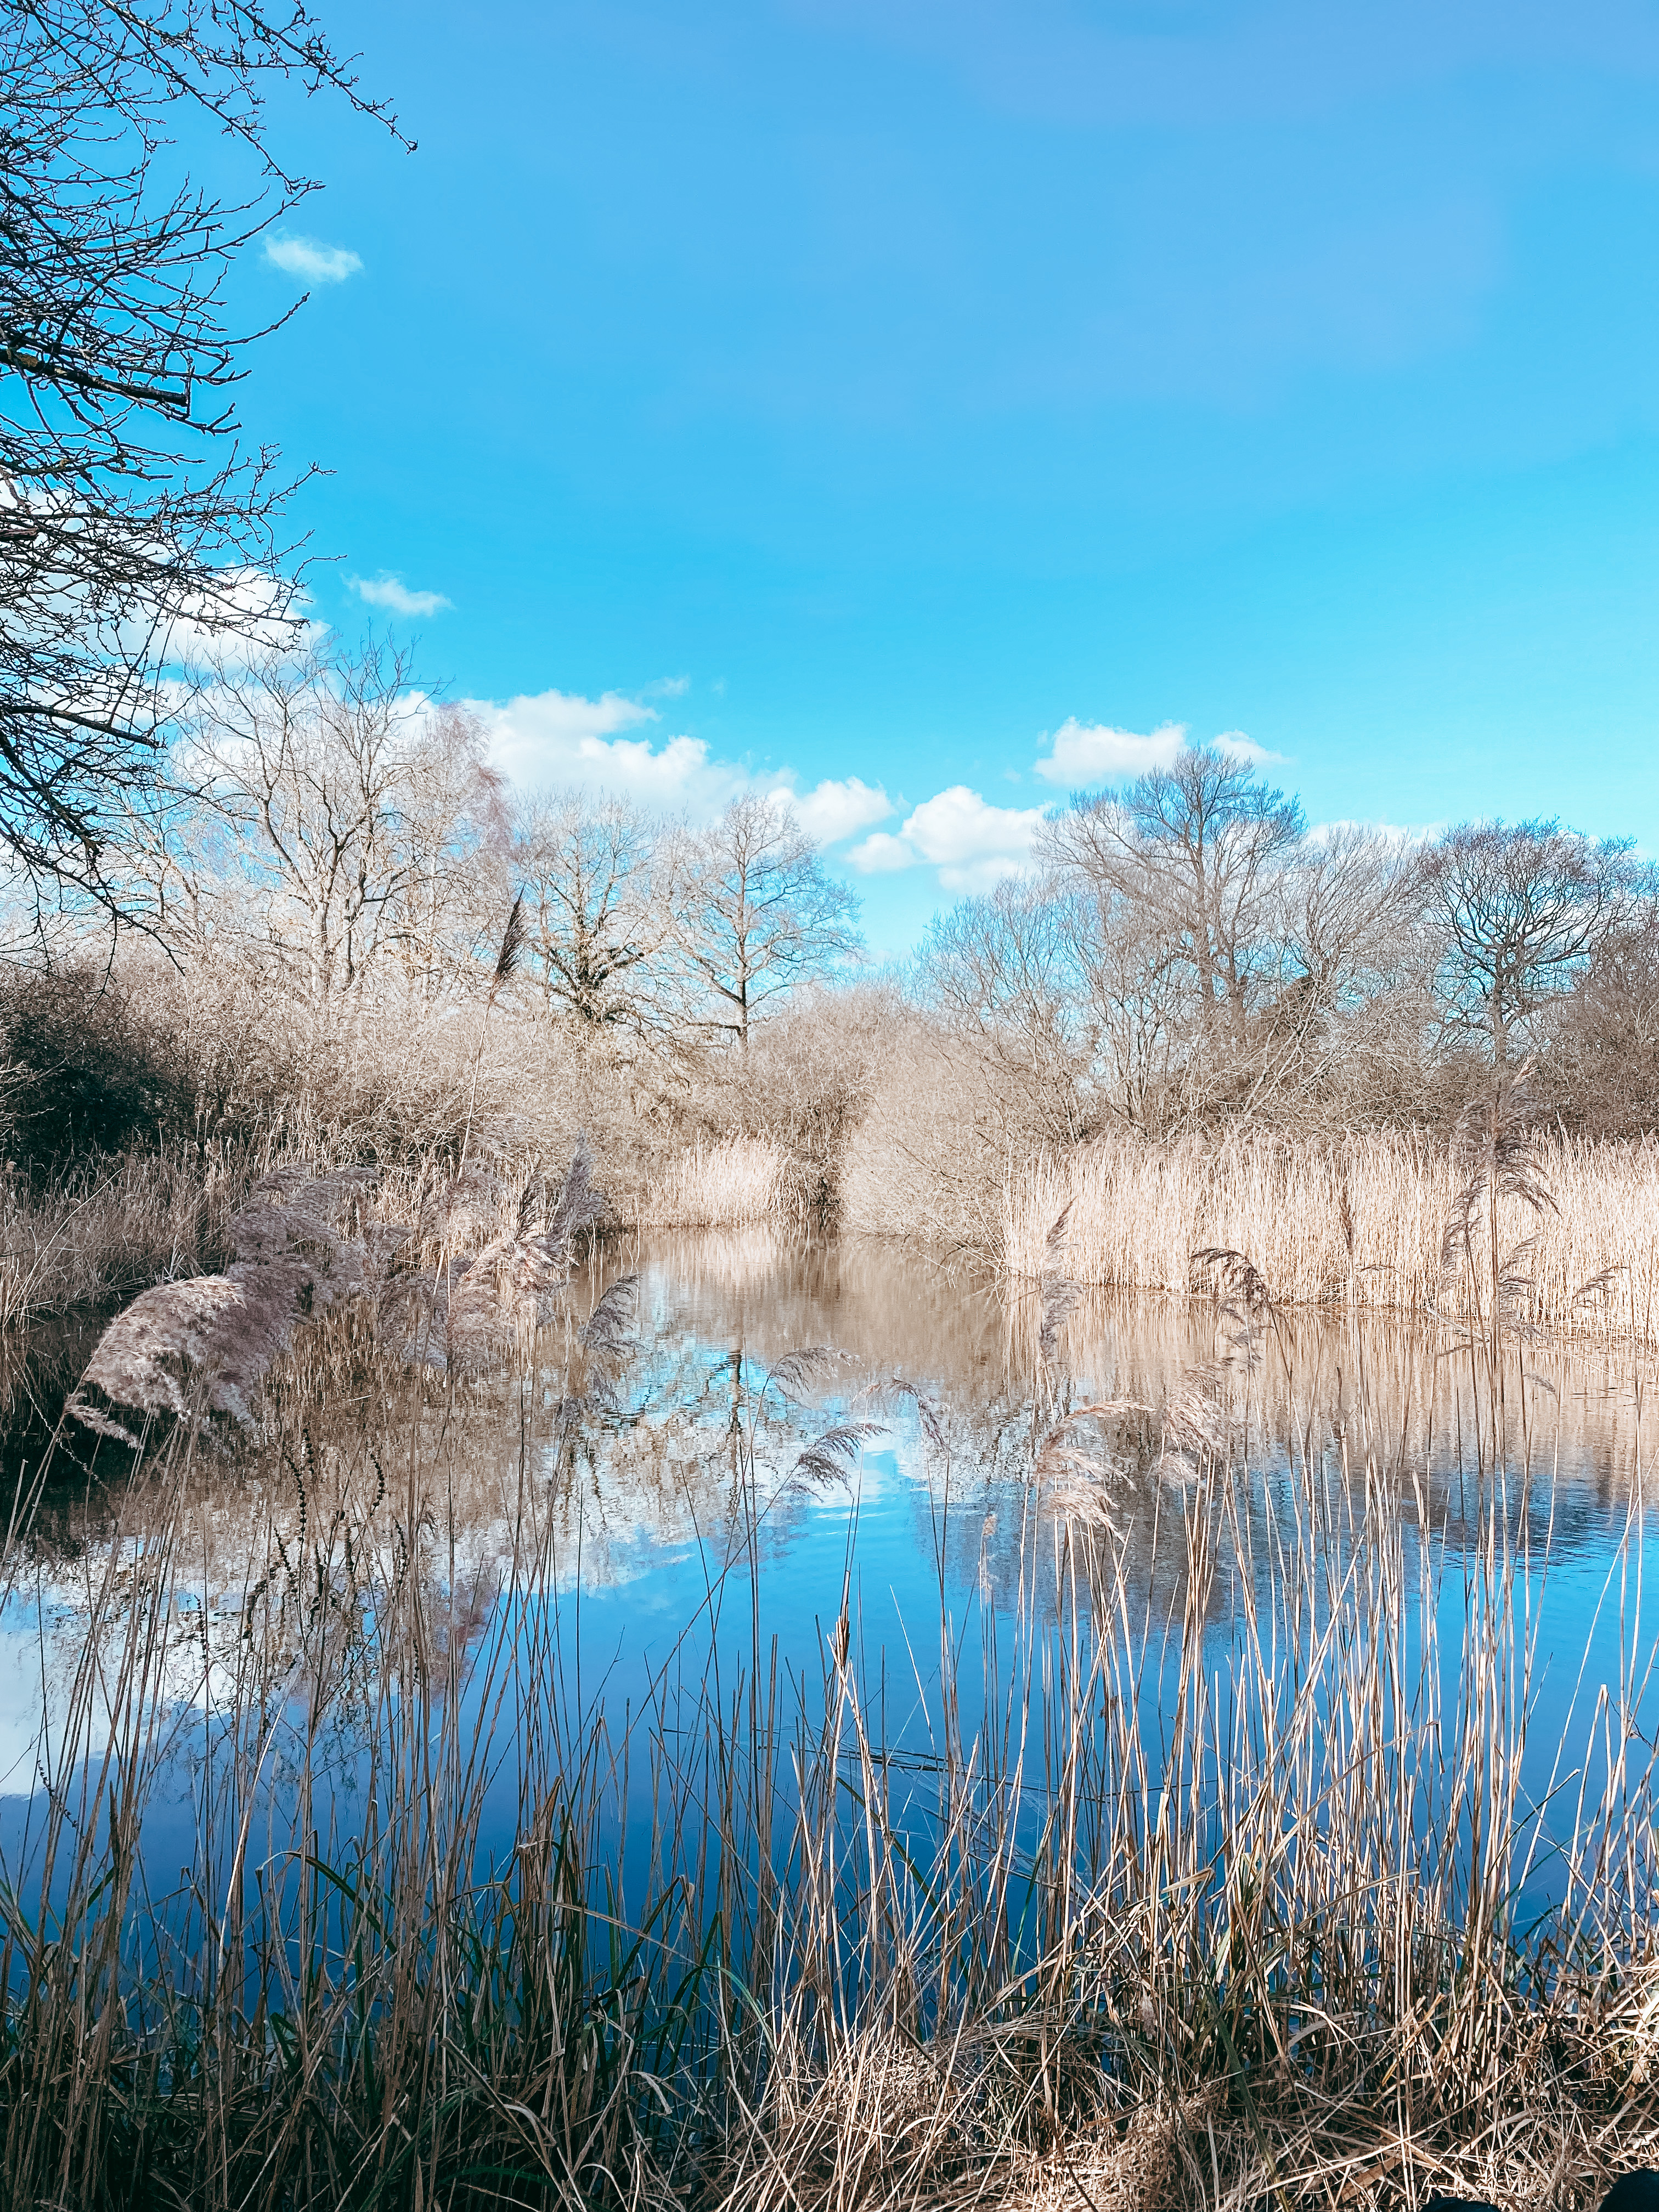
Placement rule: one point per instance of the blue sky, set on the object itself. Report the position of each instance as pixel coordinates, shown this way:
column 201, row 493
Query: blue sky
column 864, row 392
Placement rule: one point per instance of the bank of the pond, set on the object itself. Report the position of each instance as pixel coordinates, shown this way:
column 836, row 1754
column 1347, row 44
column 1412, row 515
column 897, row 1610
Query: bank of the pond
column 1528, row 1230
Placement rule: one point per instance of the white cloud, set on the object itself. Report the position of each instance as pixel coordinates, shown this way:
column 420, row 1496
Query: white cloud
column 394, row 595
column 308, row 258
column 1090, row 752
column 1239, row 747
column 559, row 737
column 972, row 843
column 833, row 810
column 882, row 854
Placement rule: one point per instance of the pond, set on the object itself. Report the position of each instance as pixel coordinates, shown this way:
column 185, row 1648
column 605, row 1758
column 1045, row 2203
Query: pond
column 796, row 1672
column 799, row 1454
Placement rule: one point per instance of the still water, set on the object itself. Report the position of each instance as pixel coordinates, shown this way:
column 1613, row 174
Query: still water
column 802, row 1449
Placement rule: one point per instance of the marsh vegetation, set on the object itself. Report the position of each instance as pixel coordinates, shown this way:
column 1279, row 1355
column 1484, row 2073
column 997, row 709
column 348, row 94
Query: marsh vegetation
column 643, row 1569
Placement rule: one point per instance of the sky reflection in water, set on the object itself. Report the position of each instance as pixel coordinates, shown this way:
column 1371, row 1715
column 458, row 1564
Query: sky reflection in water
column 661, row 1508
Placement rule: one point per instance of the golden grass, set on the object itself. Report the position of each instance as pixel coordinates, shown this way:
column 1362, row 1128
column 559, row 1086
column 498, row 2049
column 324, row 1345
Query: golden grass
column 1360, row 1220
column 1224, row 1942
column 728, row 1185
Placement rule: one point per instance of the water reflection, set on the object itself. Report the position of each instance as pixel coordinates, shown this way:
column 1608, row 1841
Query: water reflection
column 968, row 1473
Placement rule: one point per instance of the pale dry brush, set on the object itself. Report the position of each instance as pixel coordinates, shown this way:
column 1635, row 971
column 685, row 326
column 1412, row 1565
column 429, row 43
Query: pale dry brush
column 1358, row 1222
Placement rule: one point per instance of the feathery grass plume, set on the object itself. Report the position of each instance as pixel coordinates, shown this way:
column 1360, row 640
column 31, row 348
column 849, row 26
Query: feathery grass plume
column 1198, row 1422
column 512, row 951
column 607, row 1343
column 1079, row 1477
column 927, row 1409
column 830, row 1456
column 507, row 1291
column 303, row 1243
column 1059, row 1293
column 1495, row 1148
column 1245, row 1300
column 507, row 964
column 801, row 1374
column 611, row 1333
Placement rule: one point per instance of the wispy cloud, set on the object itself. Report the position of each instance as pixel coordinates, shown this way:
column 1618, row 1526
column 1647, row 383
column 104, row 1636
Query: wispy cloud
column 394, row 595
column 973, row 844
column 310, row 259
column 1239, row 747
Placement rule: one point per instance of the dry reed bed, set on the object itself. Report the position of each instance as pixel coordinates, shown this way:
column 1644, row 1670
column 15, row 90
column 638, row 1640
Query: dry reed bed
column 1359, row 1221
column 1226, row 1906
column 112, row 1225
column 731, row 1184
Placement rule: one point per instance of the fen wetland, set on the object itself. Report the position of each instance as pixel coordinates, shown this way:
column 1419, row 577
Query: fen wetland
column 501, row 1708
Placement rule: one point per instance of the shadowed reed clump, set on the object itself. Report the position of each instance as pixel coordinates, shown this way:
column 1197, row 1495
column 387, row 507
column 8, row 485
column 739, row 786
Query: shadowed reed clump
column 472, row 1270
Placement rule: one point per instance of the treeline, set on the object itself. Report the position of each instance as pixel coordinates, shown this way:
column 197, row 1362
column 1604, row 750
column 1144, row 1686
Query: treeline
column 1188, row 952
column 345, row 841
column 326, row 899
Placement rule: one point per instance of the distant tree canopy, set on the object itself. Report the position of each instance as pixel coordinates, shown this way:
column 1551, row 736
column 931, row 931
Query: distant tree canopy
column 1181, row 951
column 132, row 520
column 1187, row 949
column 1525, row 911
column 347, row 838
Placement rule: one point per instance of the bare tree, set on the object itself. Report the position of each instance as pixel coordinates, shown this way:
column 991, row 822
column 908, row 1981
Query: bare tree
column 1601, row 1055
column 594, row 915
column 1199, row 846
column 129, row 513
column 1524, row 911
column 1348, row 900
column 756, row 913
column 445, row 920
column 1140, row 994
column 360, row 815
column 1002, row 970
column 1346, row 937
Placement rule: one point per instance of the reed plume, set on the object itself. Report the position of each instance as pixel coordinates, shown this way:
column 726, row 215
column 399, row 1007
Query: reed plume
column 304, row 1242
